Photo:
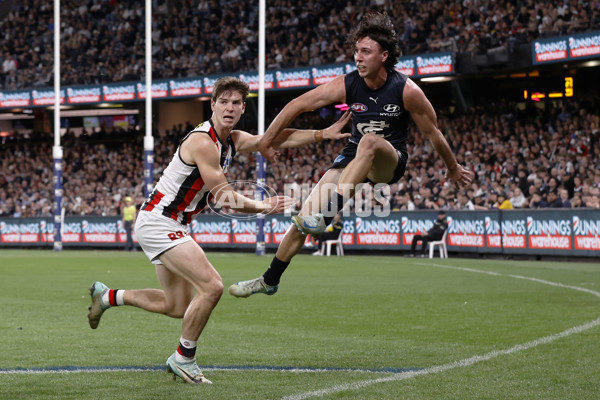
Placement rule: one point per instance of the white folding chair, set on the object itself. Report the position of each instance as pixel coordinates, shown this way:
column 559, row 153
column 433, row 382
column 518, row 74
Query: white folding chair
column 339, row 248
column 442, row 246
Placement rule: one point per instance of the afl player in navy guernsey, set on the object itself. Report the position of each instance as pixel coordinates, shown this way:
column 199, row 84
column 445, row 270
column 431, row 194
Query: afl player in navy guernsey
column 381, row 100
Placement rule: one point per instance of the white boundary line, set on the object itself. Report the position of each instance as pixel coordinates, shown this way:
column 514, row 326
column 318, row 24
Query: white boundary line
column 549, row 283
column 75, row 370
column 41, row 370
column 467, row 361
column 441, row 368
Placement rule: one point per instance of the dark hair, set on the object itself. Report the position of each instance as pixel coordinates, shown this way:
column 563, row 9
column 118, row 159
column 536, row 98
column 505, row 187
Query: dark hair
column 377, row 26
column 230, row 84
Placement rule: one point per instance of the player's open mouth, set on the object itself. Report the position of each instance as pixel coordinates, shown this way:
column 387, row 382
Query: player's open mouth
column 228, row 118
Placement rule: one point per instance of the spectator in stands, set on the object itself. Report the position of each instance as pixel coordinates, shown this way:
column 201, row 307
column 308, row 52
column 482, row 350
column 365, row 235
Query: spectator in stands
column 503, row 202
column 552, row 183
column 396, row 201
column 442, row 204
column 518, row 200
column 9, row 63
column 522, row 181
column 593, row 201
column 564, row 197
column 408, row 203
column 553, row 201
column 464, row 203
column 418, row 202
column 479, row 203
column 537, row 201
column 576, row 201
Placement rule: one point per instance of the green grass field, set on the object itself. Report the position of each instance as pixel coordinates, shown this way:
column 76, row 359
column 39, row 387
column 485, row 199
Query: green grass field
column 354, row 327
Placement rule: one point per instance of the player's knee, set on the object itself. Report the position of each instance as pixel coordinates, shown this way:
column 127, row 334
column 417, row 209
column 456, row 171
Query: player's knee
column 368, row 144
column 294, row 233
column 214, row 290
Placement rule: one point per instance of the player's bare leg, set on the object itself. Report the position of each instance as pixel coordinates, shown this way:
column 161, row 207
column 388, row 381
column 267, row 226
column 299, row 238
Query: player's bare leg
column 292, row 242
column 316, row 202
column 184, row 269
column 375, row 159
column 172, row 301
column 189, row 262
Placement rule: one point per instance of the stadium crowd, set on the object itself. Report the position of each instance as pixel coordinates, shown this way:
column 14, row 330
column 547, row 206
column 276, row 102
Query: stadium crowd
column 103, row 41
column 525, row 158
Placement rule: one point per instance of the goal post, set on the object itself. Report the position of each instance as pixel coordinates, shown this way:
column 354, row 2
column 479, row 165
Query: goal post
column 57, row 152
column 260, row 160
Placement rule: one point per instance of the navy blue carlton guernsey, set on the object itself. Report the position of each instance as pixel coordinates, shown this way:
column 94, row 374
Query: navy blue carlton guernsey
column 379, row 111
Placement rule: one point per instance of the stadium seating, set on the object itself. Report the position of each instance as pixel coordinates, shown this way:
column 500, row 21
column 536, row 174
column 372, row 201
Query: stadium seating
column 339, row 246
column 103, row 41
column 99, row 157
column 441, row 244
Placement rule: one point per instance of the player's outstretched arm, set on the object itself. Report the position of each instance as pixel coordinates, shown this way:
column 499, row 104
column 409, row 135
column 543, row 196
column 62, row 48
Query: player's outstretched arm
column 206, row 156
column 289, row 137
column 321, row 96
column 423, row 114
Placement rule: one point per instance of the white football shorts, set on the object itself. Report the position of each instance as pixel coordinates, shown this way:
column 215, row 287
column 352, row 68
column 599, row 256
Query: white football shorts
column 157, row 234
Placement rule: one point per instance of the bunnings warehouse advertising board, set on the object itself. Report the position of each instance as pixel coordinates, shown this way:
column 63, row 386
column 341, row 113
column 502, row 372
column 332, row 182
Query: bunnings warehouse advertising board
column 562, row 232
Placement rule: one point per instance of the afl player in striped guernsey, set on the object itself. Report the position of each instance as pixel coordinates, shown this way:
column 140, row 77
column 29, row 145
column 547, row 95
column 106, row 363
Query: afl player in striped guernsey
column 191, row 286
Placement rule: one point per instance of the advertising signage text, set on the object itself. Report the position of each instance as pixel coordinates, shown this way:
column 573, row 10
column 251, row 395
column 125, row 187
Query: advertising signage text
column 297, row 78
column 574, row 47
column 534, row 232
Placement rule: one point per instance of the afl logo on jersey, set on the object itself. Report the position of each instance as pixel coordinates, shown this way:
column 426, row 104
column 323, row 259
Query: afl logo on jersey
column 358, row 107
column 391, row 108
